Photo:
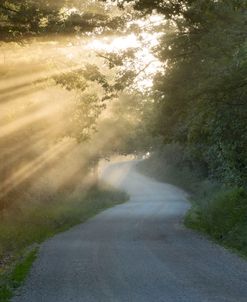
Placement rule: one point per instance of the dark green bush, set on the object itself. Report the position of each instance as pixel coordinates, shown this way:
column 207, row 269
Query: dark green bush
column 226, row 211
column 224, row 218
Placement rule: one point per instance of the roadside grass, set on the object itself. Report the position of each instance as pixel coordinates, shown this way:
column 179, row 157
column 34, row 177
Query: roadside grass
column 223, row 218
column 217, row 211
column 15, row 279
column 30, row 224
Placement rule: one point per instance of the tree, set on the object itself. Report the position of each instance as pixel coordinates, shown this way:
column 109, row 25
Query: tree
column 200, row 99
column 29, row 18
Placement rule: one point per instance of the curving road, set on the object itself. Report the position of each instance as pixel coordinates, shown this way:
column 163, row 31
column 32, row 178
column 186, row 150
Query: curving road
column 136, row 252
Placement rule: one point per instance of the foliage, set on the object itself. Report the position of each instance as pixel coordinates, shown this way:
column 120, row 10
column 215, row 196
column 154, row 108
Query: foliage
column 200, row 99
column 223, row 218
column 87, row 107
column 29, row 18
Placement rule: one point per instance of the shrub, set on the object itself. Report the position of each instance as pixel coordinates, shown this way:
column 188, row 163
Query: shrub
column 224, row 218
column 225, row 211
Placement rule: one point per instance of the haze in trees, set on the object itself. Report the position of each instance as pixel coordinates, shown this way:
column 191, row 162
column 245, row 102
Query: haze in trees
column 73, row 80
column 82, row 80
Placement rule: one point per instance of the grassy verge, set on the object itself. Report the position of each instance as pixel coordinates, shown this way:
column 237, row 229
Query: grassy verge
column 223, row 217
column 218, row 211
column 16, row 277
column 30, row 224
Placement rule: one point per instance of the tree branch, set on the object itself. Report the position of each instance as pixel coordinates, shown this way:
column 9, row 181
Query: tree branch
column 8, row 9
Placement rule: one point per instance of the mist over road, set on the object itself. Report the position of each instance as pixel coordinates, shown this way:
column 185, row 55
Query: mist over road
column 136, row 252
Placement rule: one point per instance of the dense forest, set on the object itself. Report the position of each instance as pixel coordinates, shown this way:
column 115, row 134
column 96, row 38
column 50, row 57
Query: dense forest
column 82, row 81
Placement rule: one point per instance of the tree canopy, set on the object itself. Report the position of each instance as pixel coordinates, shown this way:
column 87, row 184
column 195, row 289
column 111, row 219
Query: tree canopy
column 130, row 73
column 200, row 99
column 29, row 18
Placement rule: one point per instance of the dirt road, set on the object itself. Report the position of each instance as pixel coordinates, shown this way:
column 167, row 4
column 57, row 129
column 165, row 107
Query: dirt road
column 136, row 252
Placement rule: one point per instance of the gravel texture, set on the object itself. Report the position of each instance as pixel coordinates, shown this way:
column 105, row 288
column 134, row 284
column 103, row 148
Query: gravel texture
column 136, row 252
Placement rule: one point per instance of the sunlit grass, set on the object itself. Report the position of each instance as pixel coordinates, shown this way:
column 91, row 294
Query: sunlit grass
column 33, row 221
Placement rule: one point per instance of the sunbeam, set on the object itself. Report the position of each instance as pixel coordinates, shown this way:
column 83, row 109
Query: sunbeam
column 33, row 167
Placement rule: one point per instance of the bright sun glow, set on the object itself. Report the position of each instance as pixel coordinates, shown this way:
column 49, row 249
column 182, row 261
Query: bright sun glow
column 26, row 99
column 66, row 12
column 145, row 63
column 115, row 44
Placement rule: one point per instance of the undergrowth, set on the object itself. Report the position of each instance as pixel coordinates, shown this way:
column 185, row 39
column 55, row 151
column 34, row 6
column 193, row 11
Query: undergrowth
column 223, row 217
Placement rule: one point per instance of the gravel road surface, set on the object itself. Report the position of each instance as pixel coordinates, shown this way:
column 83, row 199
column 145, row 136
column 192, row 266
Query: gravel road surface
column 136, row 252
